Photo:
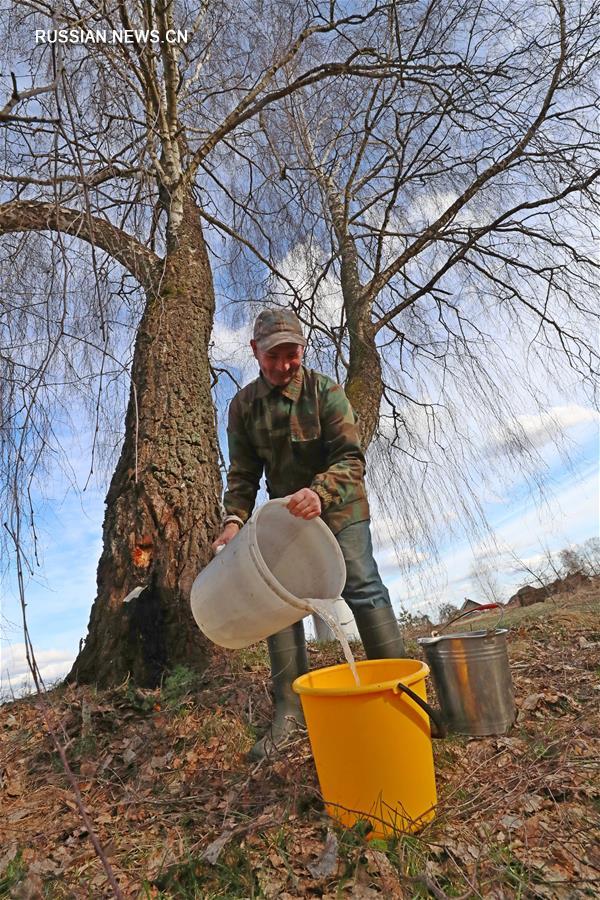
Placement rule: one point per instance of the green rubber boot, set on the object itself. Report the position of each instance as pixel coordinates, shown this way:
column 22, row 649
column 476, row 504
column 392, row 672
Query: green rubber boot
column 287, row 652
column 379, row 632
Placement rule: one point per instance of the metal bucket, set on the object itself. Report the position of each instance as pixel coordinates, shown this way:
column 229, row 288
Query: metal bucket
column 472, row 679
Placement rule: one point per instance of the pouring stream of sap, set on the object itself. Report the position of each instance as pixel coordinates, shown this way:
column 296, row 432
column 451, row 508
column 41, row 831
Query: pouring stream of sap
column 321, row 608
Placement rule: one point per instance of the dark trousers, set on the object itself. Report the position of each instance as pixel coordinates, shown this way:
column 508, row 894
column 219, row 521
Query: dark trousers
column 364, row 588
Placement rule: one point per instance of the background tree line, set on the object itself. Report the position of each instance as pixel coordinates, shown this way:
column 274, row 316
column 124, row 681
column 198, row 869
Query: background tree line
column 544, row 572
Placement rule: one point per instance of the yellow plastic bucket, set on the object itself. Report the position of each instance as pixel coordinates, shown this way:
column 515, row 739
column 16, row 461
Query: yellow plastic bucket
column 371, row 744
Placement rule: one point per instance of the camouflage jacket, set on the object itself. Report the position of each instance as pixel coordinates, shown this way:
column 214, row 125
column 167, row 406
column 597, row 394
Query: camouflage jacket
column 303, row 435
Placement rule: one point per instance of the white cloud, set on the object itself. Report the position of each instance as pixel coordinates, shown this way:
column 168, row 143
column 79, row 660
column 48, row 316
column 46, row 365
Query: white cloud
column 298, row 268
column 15, row 676
column 405, row 557
column 301, row 267
column 232, row 346
column 383, row 527
column 331, row 301
column 432, row 206
column 543, row 428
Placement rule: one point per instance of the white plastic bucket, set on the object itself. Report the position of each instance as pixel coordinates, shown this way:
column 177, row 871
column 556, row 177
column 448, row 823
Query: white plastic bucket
column 260, row 582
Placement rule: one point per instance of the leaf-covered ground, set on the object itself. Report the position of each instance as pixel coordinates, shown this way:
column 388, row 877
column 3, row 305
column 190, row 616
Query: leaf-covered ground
column 181, row 813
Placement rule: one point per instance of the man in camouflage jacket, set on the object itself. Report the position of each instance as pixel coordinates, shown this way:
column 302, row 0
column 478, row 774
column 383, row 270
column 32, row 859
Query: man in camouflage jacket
column 298, row 427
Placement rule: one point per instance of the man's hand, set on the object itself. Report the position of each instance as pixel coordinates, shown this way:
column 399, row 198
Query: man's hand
column 229, row 532
column 305, row 504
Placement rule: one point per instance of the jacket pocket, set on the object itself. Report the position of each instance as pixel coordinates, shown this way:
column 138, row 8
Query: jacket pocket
column 309, row 452
column 304, row 432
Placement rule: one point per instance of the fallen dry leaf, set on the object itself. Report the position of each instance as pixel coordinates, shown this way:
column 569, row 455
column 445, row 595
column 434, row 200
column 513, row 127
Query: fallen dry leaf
column 379, row 864
column 326, row 865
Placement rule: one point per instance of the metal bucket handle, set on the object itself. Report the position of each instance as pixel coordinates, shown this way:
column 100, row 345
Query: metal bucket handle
column 468, row 612
column 437, row 724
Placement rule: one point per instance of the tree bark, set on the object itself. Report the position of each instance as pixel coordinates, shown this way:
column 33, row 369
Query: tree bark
column 162, row 507
column 34, row 215
column 364, row 383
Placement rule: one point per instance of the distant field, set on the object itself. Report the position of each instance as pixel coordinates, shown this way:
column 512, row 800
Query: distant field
column 583, row 605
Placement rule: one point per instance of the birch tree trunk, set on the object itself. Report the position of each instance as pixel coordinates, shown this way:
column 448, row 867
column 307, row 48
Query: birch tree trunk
column 162, row 504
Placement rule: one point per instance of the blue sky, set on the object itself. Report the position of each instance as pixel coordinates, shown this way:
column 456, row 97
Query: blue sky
column 60, row 594
column 524, row 530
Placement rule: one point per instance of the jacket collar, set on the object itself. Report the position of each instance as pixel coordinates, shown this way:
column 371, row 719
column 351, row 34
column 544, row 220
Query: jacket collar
column 291, row 391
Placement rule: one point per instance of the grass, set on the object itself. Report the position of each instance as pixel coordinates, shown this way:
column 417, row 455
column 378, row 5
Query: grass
column 250, row 658
column 235, row 734
column 230, row 877
column 12, row 875
column 178, row 687
column 512, row 870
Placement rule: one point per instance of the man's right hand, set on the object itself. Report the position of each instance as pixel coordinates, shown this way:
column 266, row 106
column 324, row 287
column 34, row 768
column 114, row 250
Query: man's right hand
column 229, row 532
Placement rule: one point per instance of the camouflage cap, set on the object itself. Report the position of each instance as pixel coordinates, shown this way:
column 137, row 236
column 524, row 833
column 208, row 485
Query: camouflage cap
column 277, row 326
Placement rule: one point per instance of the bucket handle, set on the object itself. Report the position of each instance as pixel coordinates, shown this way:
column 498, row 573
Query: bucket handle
column 468, row 612
column 437, row 724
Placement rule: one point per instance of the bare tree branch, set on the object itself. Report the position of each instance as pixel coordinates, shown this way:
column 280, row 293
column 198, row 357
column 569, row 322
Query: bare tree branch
column 380, row 279
column 22, row 215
